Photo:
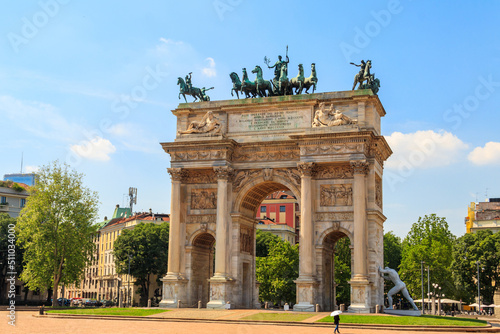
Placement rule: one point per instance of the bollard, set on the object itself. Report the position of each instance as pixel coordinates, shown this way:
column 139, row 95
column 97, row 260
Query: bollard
column 199, row 304
column 379, row 309
column 178, row 304
column 41, row 309
column 317, row 307
column 149, row 303
column 286, row 307
column 266, row 305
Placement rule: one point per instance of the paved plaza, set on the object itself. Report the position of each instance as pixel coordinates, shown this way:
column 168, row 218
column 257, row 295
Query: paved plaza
column 207, row 321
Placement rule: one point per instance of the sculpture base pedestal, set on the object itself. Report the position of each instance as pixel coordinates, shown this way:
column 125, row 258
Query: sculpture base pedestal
column 412, row 313
column 220, row 292
column 360, row 296
column 174, row 291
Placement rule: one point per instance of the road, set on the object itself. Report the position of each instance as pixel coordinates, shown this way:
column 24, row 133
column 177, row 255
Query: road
column 26, row 323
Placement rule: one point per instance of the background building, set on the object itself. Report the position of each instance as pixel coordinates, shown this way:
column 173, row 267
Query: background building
column 483, row 216
column 101, row 280
column 279, row 215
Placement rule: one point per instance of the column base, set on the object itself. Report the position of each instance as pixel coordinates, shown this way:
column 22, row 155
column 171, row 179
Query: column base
column 174, row 290
column 220, row 292
column 304, row 307
column 360, row 296
column 306, row 294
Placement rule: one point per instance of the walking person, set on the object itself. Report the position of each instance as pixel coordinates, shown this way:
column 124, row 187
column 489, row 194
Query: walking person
column 336, row 321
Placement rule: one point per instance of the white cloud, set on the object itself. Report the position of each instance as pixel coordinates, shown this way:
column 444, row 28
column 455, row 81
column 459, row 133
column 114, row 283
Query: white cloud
column 210, row 70
column 487, row 155
column 40, row 119
column 424, row 149
column 96, row 149
column 121, row 129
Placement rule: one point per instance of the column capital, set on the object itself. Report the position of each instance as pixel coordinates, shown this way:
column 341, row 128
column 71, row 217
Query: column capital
column 223, row 172
column 306, row 168
column 360, row 167
column 177, row 174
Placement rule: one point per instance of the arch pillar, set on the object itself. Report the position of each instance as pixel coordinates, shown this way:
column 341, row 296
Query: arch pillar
column 174, row 282
column 221, row 282
column 307, row 283
column 360, row 286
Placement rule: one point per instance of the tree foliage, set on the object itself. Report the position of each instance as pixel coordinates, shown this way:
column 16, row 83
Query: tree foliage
column 483, row 246
column 263, row 242
column 431, row 241
column 147, row 246
column 392, row 250
column 56, row 228
column 343, row 270
column 277, row 272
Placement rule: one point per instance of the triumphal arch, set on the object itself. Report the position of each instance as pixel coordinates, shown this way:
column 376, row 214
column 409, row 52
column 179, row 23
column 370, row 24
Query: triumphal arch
column 228, row 156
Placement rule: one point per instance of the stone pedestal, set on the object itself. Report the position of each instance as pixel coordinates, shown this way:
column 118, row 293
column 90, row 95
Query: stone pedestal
column 174, row 289
column 306, row 295
column 360, row 296
column 220, row 292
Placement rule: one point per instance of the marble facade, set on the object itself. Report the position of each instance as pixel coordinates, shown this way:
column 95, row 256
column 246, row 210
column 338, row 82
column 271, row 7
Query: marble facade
column 221, row 175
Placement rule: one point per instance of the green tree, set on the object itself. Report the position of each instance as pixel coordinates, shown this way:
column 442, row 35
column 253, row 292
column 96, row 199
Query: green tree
column 343, row 270
column 392, row 250
column 147, row 246
column 10, row 255
column 483, row 246
column 55, row 228
column 431, row 241
column 277, row 272
column 263, row 241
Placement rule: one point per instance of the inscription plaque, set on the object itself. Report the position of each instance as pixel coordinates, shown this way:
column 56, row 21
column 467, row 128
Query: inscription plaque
column 269, row 120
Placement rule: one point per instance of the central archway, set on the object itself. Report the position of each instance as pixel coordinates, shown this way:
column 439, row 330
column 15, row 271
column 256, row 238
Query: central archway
column 248, row 199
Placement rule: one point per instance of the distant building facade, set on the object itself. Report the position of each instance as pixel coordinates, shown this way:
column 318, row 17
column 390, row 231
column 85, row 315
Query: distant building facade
column 483, row 216
column 13, row 197
column 100, row 279
column 279, row 215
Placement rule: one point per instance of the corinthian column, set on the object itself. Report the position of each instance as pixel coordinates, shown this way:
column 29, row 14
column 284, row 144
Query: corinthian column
column 174, row 239
column 360, row 225
column 222, row 233
column 306, row 236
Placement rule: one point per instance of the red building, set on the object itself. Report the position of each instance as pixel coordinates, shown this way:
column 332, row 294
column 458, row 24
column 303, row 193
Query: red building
column 280, row 209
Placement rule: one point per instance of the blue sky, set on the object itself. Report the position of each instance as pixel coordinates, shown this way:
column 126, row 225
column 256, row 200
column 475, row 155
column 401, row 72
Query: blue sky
column 92, row 83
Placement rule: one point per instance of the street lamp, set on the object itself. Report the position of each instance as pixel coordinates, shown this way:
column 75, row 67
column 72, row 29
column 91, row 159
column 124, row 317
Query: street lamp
column 422, row 277
column 428, row 284
column 478, row 288
column 128, row 292
column 438, row 295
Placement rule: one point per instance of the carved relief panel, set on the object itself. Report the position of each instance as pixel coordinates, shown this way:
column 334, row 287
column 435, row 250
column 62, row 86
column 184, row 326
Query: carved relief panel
column 246, row 240
column 202, row 199
column 336, row 195
column 378, row 191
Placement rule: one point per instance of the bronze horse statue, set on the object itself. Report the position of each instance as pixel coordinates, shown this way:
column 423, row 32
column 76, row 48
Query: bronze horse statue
column 184, row 90
column 365, row 76
column 236, row 83
column 298, row 81
column 264, row 87
column 312, row 80
column 248, row 87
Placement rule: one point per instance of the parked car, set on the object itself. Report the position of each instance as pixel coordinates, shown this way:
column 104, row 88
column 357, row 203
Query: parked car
column 90, row 303
column 67, row 302
column 106, row 302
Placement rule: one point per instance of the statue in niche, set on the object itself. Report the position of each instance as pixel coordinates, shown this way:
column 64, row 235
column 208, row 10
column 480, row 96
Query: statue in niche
column 399, row 285
column 209, row 123
column 330, row 117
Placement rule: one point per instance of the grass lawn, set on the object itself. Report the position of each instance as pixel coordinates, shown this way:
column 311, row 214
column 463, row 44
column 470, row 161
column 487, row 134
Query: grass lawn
column 424, row 320
column 278, row 317
column 110, row 311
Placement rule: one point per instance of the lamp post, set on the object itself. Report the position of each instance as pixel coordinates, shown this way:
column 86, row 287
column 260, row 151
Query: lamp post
column 128, row 292
column 438, row 295
column 422, row 277
column 478, row 288
column 428, row 284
